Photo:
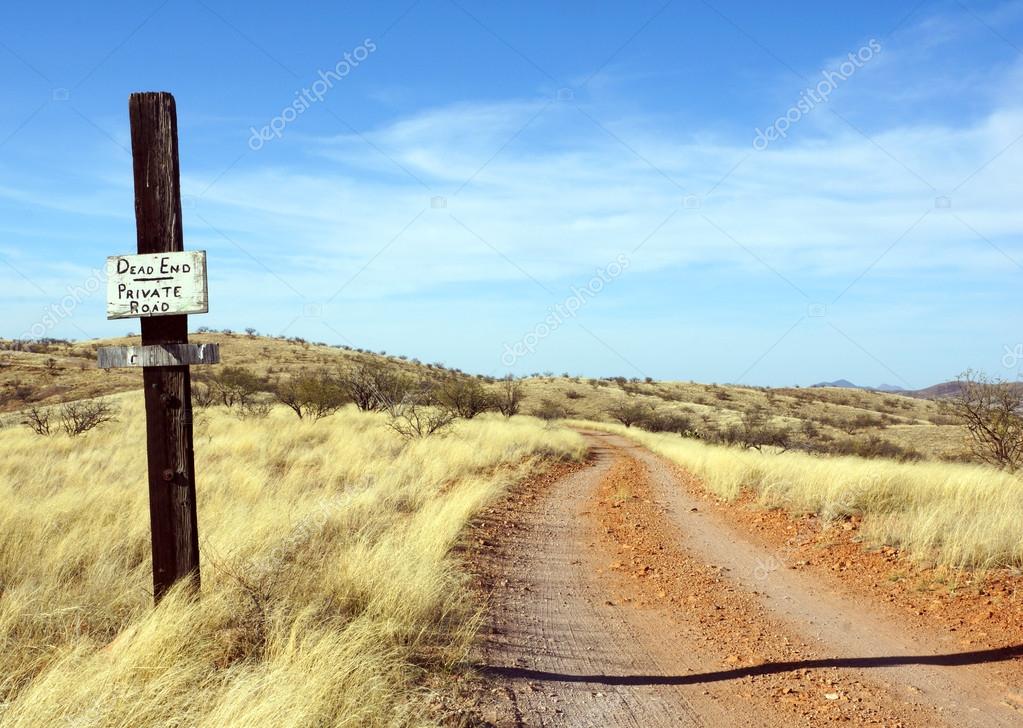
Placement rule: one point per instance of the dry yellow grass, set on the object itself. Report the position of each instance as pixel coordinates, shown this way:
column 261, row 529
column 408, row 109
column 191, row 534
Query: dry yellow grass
column 954, row 514
column 328, row 580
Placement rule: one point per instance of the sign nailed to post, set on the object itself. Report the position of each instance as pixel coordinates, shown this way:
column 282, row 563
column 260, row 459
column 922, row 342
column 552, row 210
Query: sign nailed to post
column 161, row 286
column 158, row 355
column 156, row 284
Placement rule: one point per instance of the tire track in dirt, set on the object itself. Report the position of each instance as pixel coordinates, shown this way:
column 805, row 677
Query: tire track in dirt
column 843, row 630
column 615, row 603
column 558, row 650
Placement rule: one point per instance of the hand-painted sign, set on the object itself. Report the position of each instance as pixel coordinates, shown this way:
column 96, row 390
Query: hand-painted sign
column 156, row 284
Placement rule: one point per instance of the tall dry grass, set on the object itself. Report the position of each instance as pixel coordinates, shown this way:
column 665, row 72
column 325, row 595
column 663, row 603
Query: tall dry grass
column 329, row 586
column 957, row 515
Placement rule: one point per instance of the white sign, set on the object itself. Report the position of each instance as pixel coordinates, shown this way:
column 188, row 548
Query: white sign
column 156, row 284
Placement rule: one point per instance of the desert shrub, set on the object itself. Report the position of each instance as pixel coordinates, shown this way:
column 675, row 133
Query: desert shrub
column 632, row 387
column 510, row 394
column 417, row 414
column 464, row 396
column 549, row 410
column 810, row 430
column 314, row 394
column 874, row 447
column 860, row 422
column 573, row 394
column 38, row 419
column 202, row 394
column 77, row 418
column 18, row 391
column 256, row 408
column 668, row 422
column 628, row 412
column 371, row 385
column 753, row 432
column 234, row 386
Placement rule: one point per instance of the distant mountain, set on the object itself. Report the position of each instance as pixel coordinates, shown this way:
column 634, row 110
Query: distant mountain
column 936, row 391
column 846, row 384
column 949, row 389
column 889, row 388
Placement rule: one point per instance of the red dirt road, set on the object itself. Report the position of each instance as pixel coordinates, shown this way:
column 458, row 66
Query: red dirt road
column 617, row 599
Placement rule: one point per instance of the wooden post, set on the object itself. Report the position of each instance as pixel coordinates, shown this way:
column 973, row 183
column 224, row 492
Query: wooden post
column 168, row 389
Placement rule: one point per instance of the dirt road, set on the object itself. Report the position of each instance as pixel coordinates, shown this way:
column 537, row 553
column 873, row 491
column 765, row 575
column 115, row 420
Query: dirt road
column 618, row 599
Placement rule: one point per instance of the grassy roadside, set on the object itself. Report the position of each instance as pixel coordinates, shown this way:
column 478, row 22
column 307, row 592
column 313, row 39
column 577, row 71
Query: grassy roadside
column 328, row 584
column 957, row 515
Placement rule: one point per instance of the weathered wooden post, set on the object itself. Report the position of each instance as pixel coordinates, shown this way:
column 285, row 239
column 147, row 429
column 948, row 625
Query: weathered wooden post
column 162, row 285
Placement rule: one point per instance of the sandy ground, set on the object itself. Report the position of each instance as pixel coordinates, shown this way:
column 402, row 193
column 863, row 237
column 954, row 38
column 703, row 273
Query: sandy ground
column 616, row 597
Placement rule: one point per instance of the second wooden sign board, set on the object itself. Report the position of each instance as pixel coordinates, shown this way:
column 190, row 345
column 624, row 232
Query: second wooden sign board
column 157, row 284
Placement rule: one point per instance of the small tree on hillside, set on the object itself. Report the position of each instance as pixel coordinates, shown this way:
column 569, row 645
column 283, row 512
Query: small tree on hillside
column 416, row 413
column 464, row 396
column 990, row 410
column 755, row 431
column 510, row 394
column 628, row 412
column 234, row 386
column 371, row 385
column 548, row 410
column 675, row 422
column 312, row 394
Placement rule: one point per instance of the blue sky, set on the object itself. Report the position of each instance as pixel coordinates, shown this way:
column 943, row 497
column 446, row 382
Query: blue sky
column 473, row 166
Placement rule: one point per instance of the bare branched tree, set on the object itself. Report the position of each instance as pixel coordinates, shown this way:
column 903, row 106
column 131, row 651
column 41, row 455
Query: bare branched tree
column 37, row 419
column 371, row 385
column 77, row 418
column 465, row 396
column 548, row 410
column 628, row 412
column 510, row 395
column 991, row 410
column 417, row 413
column 235, row 386
column 202, row 394
column 314, row 394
